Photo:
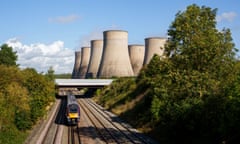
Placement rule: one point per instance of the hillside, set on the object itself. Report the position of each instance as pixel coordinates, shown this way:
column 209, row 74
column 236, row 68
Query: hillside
column 208, row 119
column 189, row 95
column 25, row 97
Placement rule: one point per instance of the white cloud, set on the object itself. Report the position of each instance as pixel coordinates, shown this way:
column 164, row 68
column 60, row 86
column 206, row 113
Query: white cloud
column 227, row 16
column 64, row 19
column 41, row 56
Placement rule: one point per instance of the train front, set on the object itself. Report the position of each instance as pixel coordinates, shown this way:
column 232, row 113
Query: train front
column 73, row 113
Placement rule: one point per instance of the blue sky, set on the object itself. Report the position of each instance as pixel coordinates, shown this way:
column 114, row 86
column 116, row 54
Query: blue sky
column 47, row 32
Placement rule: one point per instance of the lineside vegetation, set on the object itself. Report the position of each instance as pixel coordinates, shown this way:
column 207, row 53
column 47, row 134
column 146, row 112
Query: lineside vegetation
column 25, row 96
column 189, row 95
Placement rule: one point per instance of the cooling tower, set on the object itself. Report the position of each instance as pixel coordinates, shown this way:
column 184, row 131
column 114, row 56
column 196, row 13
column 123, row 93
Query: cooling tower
column 85, row 56
column 153, row 45
column 95, row 58
column 136, row 53
column 115, row 59
column 76, row 64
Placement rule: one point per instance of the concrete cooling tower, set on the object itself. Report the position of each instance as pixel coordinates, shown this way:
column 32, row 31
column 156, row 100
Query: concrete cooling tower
column 136, row 53
column 95, row 58
column 115, row 59
column 153, row 45
column 76, row 64
column 85, row 56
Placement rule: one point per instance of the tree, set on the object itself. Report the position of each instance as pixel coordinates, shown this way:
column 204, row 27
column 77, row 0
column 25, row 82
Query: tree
column 196, row 46
column 41, row 92
column 191, row 92
column 50, row 74
column 195, row 43
column 7, row 56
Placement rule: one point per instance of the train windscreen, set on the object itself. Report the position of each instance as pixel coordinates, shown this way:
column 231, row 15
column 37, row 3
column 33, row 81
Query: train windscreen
column 73, row 108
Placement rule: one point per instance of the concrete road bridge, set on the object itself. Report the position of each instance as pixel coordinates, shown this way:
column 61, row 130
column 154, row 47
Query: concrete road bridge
column 82, row 83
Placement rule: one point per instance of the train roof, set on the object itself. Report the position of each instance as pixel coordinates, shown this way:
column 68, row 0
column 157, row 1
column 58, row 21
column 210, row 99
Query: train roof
column 71, row 99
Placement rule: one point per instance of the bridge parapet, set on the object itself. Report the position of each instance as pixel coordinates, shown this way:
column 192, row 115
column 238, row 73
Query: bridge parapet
column 82, row 83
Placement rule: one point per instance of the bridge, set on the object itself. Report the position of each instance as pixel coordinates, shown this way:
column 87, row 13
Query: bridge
column 82, row 83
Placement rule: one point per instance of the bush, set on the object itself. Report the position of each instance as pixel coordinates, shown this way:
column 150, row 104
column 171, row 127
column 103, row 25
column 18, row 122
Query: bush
column 23, row 120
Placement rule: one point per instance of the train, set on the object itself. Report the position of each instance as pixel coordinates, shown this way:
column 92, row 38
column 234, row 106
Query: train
column 72, row 110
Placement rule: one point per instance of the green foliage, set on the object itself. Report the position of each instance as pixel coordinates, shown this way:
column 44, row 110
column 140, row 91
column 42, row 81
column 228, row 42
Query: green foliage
column 153, row 67
column 63, row 76
column 11, row 135
column 116, row 93
column 50, row 74
column 156, row 107
column 191, row 86
column 24, row 96
column 124, row 97
column 41, row 92
column 195, row 43
column 7, row 56
column 23, row 120
column 193, row 94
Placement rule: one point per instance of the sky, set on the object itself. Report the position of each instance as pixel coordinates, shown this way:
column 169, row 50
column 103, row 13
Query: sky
column 46, row 33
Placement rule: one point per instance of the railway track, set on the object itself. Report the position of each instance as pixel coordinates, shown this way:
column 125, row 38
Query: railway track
column 125, row 128
column 73, row 135
column 96, row 126
column 108, row 128
column 54, row 133
column 39, row 134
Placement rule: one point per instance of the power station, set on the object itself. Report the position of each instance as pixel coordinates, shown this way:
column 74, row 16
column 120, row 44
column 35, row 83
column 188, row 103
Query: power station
column 95, row 58
column 115, row 58
column 136, row 53
column 85, row 56
column 76, row 64
column 153, row 45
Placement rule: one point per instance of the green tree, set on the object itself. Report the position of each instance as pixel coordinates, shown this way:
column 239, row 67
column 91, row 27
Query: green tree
column 193, row 94
column 195, row 43
column 50, row 74
column 200, row 54
column 25, row 96
column 41, row 92
column 193, row 80
column 7, row 56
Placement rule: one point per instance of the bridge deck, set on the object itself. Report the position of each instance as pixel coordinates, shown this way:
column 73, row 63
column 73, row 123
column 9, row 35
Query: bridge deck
column 88, row 83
